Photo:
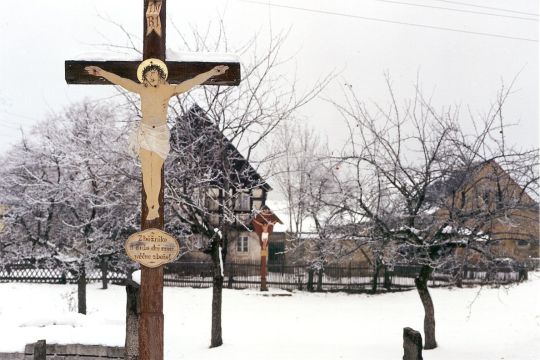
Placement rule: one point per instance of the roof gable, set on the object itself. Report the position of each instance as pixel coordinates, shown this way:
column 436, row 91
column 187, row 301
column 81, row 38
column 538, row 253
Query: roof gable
column 196, row 134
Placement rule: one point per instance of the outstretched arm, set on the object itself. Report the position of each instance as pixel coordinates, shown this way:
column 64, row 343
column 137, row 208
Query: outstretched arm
column 199, row 79
column 127, row 84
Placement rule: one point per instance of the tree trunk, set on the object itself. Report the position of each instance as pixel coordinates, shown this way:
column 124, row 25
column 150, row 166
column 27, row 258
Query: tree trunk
column 387, row 278
column 81, row 290
column 319, row 280
column 459, row 277
column 217, row 290
column 104, row 270
column 375, row 280
column 310, row 280
column 131, row 348
column 429, row 311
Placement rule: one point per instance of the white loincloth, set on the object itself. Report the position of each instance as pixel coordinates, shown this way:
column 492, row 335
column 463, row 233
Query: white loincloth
column 153, row 138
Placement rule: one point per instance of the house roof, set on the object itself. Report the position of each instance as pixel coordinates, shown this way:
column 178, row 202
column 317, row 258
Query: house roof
column 266, row 215
column 468, row 177
column 196, row 132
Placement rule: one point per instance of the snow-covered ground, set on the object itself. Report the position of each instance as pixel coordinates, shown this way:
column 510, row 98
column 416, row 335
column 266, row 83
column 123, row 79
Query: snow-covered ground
column 491, row 324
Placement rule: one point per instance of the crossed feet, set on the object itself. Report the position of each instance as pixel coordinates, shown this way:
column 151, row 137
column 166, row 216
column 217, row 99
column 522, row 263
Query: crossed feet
column 153, row 212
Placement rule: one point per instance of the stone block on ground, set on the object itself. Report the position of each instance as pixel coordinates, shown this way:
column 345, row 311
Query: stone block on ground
column 412, row 344
column 70, row 352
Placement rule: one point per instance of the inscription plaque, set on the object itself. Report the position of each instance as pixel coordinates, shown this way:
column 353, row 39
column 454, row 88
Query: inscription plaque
column 152, row 248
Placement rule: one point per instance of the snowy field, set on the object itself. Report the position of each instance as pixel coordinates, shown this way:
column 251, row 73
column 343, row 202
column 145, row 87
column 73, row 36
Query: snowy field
column 491, row 324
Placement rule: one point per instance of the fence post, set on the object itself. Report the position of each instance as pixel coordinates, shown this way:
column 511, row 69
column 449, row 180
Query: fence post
column 40, row 350
column 459, row 277
column 350, row 277
column 300, row 276
column 523, row 274
column 131, row 348
column 230, row 273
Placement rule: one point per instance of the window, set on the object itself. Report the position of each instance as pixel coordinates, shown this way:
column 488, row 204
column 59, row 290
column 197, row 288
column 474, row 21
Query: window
column 242, row 202
column 522, row 243
column 486, row 197
column 483, row 199
column 242, row 244
column 243, row 218
column 257, row 204
column 257, row 193
column 212, row 199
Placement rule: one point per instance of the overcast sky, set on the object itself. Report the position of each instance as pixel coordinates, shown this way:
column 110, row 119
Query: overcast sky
column 463, row 51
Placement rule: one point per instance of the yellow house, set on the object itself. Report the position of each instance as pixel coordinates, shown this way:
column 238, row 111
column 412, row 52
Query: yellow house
column 501, row 208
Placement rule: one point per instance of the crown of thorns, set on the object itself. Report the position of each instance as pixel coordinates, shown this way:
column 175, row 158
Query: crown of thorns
column 149, row 65
column 154, row 67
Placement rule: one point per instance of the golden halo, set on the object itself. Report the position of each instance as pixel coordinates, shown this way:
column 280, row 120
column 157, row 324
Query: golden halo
column 149, row 62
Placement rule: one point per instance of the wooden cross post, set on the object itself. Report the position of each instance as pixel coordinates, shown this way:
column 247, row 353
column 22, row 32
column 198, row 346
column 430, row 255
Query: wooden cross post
column 263, row 224
column 151, row 289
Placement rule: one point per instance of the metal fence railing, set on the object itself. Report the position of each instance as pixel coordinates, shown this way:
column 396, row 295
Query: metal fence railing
column 348, row 277
column 56, row 276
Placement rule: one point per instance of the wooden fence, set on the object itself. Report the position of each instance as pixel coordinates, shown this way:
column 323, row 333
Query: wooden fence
column 332, row 278
column 289, row 277
column 56, row 276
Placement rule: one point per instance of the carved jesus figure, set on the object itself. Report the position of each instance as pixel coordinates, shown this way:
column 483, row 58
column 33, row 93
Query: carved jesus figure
column 151, row 139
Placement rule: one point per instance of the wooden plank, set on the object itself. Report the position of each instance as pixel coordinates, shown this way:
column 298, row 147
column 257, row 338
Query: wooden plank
column 151, row 314
column 151, row 320
column 178, row 71
column 154, row 44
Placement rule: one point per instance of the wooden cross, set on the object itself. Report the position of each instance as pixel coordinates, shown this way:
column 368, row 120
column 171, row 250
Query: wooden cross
column 151, row 287
column 263, row 224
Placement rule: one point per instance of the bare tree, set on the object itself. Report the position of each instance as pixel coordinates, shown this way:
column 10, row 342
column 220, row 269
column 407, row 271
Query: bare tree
column 209, row 181
column 297, row 152
column 68, row 189
column 215, row 161
column 410, row 164
column 309, row 179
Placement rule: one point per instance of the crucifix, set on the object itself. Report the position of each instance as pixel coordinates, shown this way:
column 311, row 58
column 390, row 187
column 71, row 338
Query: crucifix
column 263, row 224
column 156, row 81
